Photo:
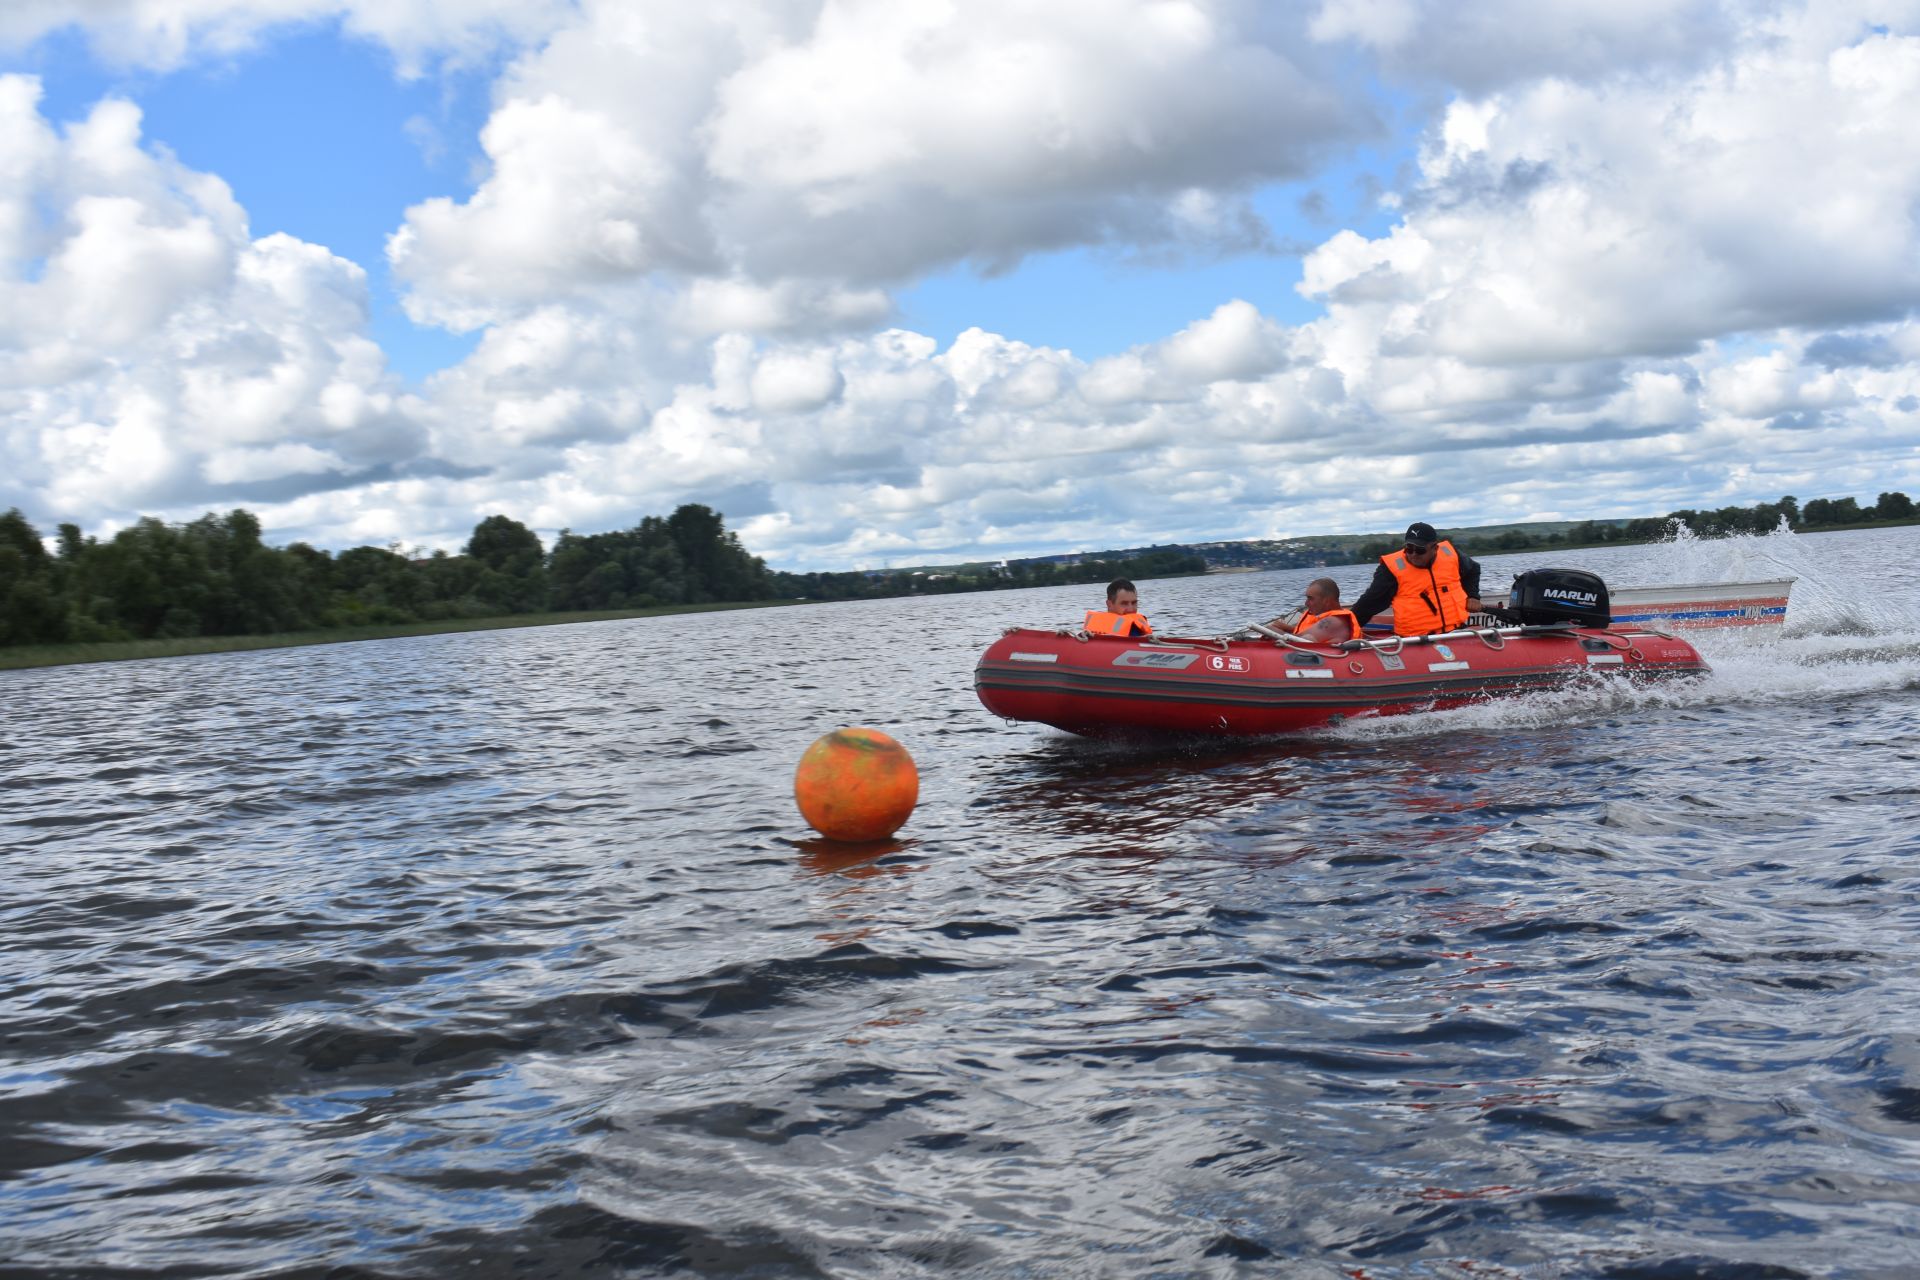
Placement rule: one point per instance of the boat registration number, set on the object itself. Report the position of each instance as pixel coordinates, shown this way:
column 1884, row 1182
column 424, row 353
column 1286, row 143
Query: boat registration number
column 1158, row 661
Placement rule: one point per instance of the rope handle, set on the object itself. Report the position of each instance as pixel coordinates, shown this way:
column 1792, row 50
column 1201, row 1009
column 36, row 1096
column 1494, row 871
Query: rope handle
column 1280, row 637
column 1182, row 642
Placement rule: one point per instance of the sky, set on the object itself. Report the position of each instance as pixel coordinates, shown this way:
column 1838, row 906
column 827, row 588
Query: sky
column 924, row 281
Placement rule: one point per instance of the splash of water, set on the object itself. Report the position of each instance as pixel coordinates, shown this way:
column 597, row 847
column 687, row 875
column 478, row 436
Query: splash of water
column 1683, row 556
column 1845, row 636
column 1826, row 600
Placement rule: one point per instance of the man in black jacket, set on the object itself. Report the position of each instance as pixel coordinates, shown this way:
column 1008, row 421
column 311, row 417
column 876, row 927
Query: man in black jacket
column 1418, row 574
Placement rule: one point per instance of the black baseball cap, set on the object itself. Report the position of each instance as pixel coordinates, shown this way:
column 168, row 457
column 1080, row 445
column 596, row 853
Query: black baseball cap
column 1421, row 534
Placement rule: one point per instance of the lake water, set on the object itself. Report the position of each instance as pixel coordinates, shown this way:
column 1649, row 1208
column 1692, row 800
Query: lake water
column 507, row 954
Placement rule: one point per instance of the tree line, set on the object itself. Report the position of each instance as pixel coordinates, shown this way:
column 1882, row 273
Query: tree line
column 215, row 576
column 1761, row 517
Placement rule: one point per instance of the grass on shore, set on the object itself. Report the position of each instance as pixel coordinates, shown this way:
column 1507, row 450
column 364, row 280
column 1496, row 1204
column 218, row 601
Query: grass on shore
column 55, row 655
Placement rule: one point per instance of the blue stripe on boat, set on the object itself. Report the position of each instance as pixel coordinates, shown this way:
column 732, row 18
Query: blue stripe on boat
column 1693, row 615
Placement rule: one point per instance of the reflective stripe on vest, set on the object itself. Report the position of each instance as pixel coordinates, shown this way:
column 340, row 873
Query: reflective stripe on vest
column 1104, row 622
column 1301, row 628
column 1429, row 600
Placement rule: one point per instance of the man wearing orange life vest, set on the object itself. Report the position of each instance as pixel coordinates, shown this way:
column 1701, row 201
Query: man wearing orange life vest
column 1323, row 621
column 1431, row 586
column 1121, row 617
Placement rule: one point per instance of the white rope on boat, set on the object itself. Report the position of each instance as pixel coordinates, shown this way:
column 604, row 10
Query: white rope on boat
column 1187, row 642
column 1492, row 637
column 1280, row 637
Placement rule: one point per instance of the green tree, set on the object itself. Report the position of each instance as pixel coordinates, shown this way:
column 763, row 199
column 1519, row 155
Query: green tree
column 1893, row 506
column 1833, row 511
column 592, row 571
column 218, row 607
column 699, row 539
column 373, row 585
column 505, row 545
column 31, row 610
column 156, row 578
column 514, row 564
column 449, row 586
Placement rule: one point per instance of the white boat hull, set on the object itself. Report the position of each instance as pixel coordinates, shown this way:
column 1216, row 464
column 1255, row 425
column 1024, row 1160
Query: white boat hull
column 1726, row 604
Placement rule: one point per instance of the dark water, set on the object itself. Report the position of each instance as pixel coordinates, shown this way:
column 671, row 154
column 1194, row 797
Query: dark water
column 507, row 954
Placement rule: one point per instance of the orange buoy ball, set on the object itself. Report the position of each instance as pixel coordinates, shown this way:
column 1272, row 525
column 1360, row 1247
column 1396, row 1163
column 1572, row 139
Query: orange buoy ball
column 856, row 785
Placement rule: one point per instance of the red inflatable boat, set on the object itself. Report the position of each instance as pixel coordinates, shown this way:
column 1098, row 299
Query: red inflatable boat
column 1273, row 683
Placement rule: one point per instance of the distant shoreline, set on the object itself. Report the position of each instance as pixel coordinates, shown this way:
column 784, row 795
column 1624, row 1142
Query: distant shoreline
column 27, row 657
column 24, row 657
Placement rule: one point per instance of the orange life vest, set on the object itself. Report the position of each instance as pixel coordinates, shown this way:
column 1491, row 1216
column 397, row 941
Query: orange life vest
column 1104, row 622
column 1429, row 599
column 1300, row 628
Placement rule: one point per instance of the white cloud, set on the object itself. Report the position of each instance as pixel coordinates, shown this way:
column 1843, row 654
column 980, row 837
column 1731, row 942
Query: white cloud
column 243, row 466
column 1653, row 256
column 151, row 354
column 573, row 201
column 1653, row 397
column 1489, row 44
column 1639, row 217
column 796, row 382
column 1769, row 385
column 892, row 138
column 775, row 164
column 167, row 34
column 1236, row 342
column 710, row 306
column 118, row 459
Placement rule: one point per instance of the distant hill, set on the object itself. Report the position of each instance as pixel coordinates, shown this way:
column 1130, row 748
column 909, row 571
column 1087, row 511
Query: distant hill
column 1328, row 549
column 1325, row 550
column 1312, row 551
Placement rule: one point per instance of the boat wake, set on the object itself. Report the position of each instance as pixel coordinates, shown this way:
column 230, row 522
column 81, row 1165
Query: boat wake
column 1843, row 638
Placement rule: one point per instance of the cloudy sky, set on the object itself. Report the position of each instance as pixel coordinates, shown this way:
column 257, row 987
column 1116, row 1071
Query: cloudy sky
column 905, row 281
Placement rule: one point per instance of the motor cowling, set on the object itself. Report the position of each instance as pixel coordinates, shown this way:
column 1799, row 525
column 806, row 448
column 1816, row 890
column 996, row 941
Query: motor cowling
column 1544, row 597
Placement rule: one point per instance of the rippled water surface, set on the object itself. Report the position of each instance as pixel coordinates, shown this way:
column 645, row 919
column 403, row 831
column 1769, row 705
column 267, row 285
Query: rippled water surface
column 507, row 954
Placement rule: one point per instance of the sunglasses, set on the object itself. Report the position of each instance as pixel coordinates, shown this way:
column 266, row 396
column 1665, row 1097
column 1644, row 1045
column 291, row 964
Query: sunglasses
column 1413, row 548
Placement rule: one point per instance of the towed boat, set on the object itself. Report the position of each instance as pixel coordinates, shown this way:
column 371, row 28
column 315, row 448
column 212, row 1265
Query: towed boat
column 1704, row 606
column 1260, row 681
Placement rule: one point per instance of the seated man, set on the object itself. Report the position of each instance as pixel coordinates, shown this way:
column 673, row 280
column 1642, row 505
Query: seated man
column 1324, row 621
column 1431, row 586
column 1121, row 617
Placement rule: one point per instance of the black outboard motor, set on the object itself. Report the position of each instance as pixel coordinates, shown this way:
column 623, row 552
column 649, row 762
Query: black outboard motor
column 1547, row 597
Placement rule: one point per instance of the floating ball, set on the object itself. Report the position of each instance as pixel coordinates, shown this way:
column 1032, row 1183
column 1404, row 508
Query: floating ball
column 856, row 785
